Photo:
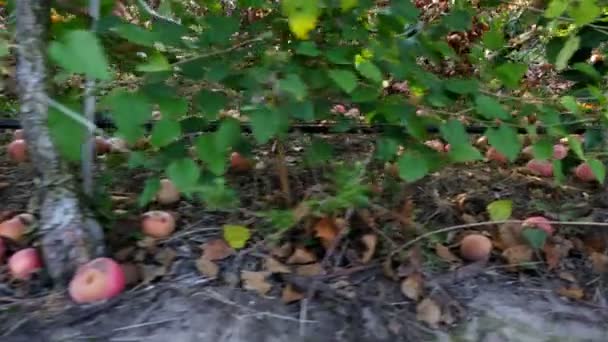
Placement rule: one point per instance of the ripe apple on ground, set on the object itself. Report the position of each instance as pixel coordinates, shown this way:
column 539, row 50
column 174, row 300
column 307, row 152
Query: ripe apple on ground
column 15, row 227
column 539, row 222
column 97, row 280
column 17, row 150
column 24, row 263
column 476, row 247
column 158, row 223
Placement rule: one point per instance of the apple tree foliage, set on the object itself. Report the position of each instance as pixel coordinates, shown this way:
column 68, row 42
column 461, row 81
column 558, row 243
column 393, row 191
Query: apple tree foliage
column 282, row 63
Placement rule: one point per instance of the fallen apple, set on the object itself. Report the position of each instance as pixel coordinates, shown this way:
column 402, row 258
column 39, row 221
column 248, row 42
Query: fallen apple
column 538, row 222
column 17, row 150
column 167, row 193
column 157, row 223
column 543, row 168
column 100, row 279
column 493, row 154
column 338, row 109
column 239, row 163
column 560, row 151
column 584, row 173
column 24, row 263
column 475, row 247
column 15, row 227
column 102, row 146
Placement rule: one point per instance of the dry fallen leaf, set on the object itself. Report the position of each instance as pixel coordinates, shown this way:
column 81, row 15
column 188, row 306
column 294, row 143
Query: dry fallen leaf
column 508, row 235
column 599, row 262
column 165, row 256
column 256, row 281
column 567, row 276
column 517, row 255
column 309, row 270
column 301, row 256
column 429, row 312
column 274, row 266
column 301, row 211
column 151, row 272
column 445, row 254
column 290, row 295
column 370, row 241
column 216, row 249
column 207, row 267
column 556, row 251
column 413, row 286
column 327, row 231
column 573, row 292
column 131, row 272
column 282, row 251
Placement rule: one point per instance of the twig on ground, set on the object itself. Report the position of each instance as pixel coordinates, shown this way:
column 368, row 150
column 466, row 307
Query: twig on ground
column 145, row 324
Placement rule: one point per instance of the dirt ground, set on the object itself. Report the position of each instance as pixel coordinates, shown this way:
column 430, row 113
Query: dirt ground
column 479, row 302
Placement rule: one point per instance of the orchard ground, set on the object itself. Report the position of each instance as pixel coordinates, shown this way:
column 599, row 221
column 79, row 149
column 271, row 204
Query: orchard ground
column 172, row 300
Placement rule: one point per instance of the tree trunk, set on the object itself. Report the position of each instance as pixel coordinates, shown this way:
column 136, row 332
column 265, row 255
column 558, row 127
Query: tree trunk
column 69, row 237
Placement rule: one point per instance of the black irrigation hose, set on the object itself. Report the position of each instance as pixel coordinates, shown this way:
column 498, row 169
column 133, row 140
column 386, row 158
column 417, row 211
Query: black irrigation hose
column 105, row 123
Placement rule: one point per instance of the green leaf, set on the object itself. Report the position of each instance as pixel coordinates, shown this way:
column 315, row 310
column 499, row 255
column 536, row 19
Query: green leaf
column 510, row 74
column 339, row 55
column 464, row 153
column 458, row 20
column 151, row 187
column 79, row 51
column 564, row 55
column 500, row 210
column 345, row 79
column 228, row 134
column 543, row 149
column 184, row 173
column 156, row 63
column 301, row 110
column 220, row 29
column 576, row 146
column 598, row 168
column 67, row 134
column 569, row 102
column 302, row 16
column 558, row 171
column 584, row 11
column 4, row 49
column 294, row 85
column 556, row 8
column 165, row 132
column 406, row 10
column 536, row 238
column 454, row 133
column 236, row 236
column 494, row 38
column 209, row 152
column 130, row 111
column 319, row 153
column 265, row 124
column 412, row 167
column 211, row 102
column 462, row 86
column 348, row 4
column 505, row 140
column 369, row 70
column 490, row 108
column 308, row 49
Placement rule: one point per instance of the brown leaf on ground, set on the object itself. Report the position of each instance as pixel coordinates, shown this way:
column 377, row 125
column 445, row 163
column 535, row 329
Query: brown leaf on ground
column 290, row 295
column 446, row 255
column 327, row 231
column 413, row 286
column 282, row 251
column 131, row 272
column 216, row 249
column 301, row 256
column 406, row 214
column 573, row 292
column 599, row 262
column 123, row 254
column 556, row 251
column 370, row 241
column 274, row 266
column 309, row 270
column 595, row 241
column 412, row 264
column 256, row 281
column 388, row 270
column 508, row 236
column 429, row 312
column 301, row 211
column 165, row 256
column 567, row 276
column 152, row 272
column 207, row 267
column 148, row 243
column 517, row 255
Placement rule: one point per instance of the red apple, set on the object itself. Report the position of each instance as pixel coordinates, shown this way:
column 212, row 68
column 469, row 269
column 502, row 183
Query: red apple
column 559, row 151
column 543, row 168
column 584, row 173
column 15, row 227
column 540, row 223
column 168, row 193
column 97, row 280
column 102, row 146
column 17, row 150
column 239, row 163
column 339, row 109
column 158, row 224
column 475, row 247
column 493, row 154
column 24, row 263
